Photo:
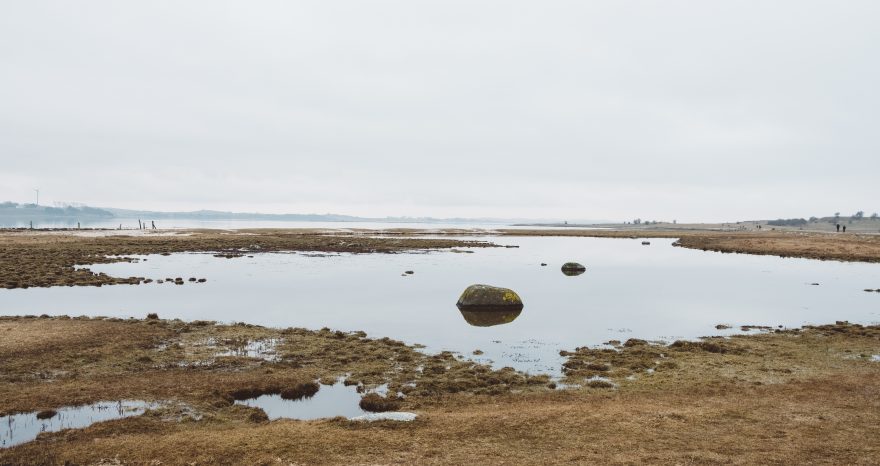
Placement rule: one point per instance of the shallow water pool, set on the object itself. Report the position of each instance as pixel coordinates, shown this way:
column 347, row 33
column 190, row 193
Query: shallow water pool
column 630, row 290
column 20, row 428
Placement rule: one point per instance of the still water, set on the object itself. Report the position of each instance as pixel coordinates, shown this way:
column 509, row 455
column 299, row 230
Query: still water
column 330, row 401
column 20, row 428
column 629, row 290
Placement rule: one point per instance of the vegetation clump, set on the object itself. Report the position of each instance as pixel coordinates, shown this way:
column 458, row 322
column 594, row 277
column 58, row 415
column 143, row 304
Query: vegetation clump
column 376, row 403
column 300, row 391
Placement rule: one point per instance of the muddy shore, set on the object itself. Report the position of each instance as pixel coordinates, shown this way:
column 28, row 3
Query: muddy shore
column 799, row 395
column 49, row 258
column 807, row 245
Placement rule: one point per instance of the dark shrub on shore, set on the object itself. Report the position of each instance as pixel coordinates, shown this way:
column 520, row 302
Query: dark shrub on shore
column 790, row 222
column 376, row 403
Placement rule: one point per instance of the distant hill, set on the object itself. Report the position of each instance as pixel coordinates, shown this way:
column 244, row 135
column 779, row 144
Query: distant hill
column 25, row 212
column 255, row 216
column 12, row 212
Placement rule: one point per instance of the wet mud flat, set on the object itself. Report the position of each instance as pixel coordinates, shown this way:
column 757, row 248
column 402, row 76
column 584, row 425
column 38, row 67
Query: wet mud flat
column 807, row 245
column 50, row 258
column 782, row 396
column 56, row 258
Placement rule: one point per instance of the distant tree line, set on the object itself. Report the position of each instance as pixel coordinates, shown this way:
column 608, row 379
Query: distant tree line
column 787, row 222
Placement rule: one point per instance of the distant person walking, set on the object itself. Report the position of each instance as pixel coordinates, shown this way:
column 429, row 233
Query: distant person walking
column 838, row 228
column 844, row 228
column 154, row 223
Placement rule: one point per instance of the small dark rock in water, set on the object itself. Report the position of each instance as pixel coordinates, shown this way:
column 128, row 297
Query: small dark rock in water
column 47, row 414
column 543, row 264
column 160, row 281
column 646, row 243
column 722, row 327
column 478, row 352
column 573, row 269
column 376, row 403
column 152, row 316
column 489, row 297
column 203, row 280
column 192, row 279
column 149, row 280
column 814, row 284
column 409, row 272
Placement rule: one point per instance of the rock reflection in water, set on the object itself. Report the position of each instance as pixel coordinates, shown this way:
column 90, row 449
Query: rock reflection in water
column 490, row 316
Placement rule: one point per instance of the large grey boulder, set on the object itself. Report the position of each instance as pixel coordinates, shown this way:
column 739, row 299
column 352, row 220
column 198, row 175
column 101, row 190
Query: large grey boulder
column 486, row 297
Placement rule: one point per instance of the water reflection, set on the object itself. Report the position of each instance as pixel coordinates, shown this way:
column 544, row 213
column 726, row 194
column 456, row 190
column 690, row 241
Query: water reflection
column 488, row 317
column 330, row 401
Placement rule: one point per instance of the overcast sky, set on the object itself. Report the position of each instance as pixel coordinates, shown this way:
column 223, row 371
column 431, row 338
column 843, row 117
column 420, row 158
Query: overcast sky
column 688, row 110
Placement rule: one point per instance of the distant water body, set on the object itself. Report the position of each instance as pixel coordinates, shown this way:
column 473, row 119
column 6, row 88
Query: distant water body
column 132, row 223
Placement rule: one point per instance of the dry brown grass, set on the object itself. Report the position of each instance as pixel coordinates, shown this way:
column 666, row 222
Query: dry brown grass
column 804, row 397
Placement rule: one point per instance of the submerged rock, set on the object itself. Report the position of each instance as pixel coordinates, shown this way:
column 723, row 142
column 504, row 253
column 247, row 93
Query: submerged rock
column 573, row 268
column 486, row 297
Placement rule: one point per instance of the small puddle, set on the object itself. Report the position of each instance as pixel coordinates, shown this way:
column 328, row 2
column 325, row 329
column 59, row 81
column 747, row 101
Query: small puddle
column 330, row 401
column 258, row 349
column 16, row 429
